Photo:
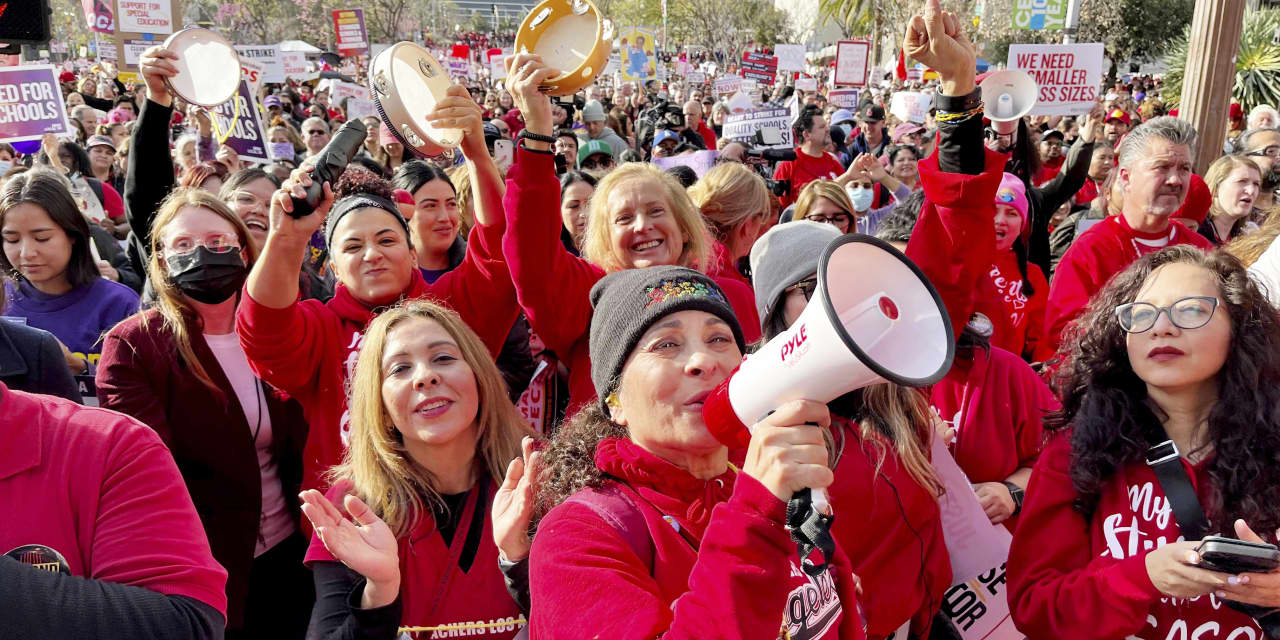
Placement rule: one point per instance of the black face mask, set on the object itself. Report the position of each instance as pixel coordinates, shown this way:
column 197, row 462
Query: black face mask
column 206, row 276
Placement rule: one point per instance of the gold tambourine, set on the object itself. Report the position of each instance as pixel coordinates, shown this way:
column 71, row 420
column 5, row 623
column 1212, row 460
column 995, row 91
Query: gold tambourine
column 571, row 36
column 406, row 83
column 208, row 67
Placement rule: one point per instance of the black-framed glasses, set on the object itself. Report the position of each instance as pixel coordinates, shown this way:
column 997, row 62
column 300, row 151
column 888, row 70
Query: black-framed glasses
column 1272, row 151
column 1191, row 312
column 839, row 219
column 806, row 287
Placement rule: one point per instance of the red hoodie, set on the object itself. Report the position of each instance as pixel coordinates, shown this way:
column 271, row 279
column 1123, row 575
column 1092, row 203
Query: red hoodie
column 997, row 405
column 309, row 349
column 1023, row 323
column 554, row 286
column 1106, row 249
column 735, row 576
column 891, row 528
column 1072, row 577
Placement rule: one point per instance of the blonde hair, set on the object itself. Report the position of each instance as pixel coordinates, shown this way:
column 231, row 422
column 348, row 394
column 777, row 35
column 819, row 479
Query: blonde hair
column 1217, row 174
column 460, row 176
column 729, row 196
column 828, row 189
column 1250, row 246
column 903, row 417
column 597, row 245
column 172, row 305
column 385, row 477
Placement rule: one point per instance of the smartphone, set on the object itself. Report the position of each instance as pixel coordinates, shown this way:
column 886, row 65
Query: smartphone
column 504, row 153
column 1229, row 555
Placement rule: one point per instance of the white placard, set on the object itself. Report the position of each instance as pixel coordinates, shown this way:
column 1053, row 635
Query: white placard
column 1068, row 75
column 133, row 50
column 806, row 84
column 614, row 64
column 695, row 78
column 740, row 102
column 252, row 73
column 728, row 83
column 911, row 106
column 266, row 55
column 144, row 16
column 744, row 125
column 852, row 58
column 498, row 67
column 790, row 57
column 293, row 63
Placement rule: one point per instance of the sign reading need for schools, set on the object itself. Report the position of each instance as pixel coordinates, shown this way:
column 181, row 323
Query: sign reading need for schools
column 1067, row 75
column 759, row 67
column 743, row 126
column 31, row 103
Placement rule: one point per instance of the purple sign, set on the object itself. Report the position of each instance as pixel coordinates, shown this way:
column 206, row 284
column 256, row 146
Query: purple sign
column 238, row 120
column 31, row 103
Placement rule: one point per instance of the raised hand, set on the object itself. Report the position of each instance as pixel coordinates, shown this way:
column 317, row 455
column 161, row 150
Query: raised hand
column 1090, row 124
column 526, row 73
column 936, row 38
column 282, row 223
column 364, row 543
column 513, row 504
column 156, row 64
column 457, row 110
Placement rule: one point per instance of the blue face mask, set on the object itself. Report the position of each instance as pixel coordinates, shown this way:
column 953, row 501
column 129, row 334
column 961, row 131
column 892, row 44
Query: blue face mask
column 5, row 166
column 861, row 197
column 281, row 150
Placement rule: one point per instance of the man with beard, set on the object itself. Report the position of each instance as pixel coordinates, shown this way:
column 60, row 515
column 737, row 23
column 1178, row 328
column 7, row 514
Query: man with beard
column 812, row 162
column 1115, row 126
column 1263, row 146
column 1051, row 157
column 1155, row 174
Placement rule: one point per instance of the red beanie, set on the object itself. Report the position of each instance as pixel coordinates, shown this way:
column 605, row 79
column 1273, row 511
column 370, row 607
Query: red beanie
column 1196, row 206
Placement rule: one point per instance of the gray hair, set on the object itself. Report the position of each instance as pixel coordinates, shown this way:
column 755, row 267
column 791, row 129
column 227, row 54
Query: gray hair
column 79, row 109
column 1165, row 128
column 1264, row 109
column 314, row 120
column 1242, row 143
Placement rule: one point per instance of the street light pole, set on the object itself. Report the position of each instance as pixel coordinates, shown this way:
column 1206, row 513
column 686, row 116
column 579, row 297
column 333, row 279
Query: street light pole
column 1073, row 21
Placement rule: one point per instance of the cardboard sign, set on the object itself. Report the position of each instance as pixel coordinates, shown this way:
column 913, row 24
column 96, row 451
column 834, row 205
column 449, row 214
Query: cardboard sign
column 266, row 55
column 348, row 27
column 744, row 125
column 145, row 16
column 790, row 57
column 1068, row 75
column 614, row 65
column 728, row 83
column 700, row 161
column 1039, row 15
column 760, row 67
column 912, row 106
column 293, row 64
column 238, row 118
column 31, row 104
column 852, row 60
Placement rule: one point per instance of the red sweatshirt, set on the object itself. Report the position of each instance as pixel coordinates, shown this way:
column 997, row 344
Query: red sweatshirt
column 309, row 348
column 904, row 572
column 1023, row 323
column 554, row 286
column 1072, row 577
column 1098, row 254
column 997, row 404
column 805, row 169
column 735, row 576
column 435, row 591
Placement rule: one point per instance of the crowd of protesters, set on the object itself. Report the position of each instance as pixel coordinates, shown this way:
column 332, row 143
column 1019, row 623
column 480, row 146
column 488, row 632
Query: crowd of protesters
column 472, row 385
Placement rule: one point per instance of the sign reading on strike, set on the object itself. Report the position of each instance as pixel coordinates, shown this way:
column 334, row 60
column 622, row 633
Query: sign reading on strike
column 743, row 126
column 760, row 67
column 348, row 27
column 267, row 55
column 31, row 103
column 1067, row 75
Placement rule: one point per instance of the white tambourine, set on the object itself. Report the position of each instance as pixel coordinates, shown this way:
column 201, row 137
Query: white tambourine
column 208, row 67
column 406, row 83
column 571, row 36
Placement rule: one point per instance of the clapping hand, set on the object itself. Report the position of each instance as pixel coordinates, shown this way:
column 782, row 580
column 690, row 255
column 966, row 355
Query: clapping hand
column 364, row 542
column 514, row 502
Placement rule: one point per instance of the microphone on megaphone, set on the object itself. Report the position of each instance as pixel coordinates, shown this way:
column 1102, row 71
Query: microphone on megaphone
column 873, row 318
column 1008, row 95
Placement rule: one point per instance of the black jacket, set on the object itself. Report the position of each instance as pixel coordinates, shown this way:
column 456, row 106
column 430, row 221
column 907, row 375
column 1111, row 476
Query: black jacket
column 32, row 361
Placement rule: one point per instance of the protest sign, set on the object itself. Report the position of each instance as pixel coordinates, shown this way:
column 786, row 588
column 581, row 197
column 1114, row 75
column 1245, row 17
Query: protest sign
column 744, row 125
column 739, row 102
column 31, row 103
column 844, row 98
column 915, row 74
column 146, row 16
column 266, row 55
column 293, row 64
column 639, row 62
column 498, row 67
column 728, row 83
column 1039, row 15
column 912, row 106
column 458, row 67
column 238, row 120
column 133, row 49
column 251, row 72
column 614, row 65
column 695, row 78
column 700, row 161
column 99, row 15
column 852, row 58
column 805, row 83
column 790, row 57
column 1068, row 75
column 348, row 28
column 760, row 67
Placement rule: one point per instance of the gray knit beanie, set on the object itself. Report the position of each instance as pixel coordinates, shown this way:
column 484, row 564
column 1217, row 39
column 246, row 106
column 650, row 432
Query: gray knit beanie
column 785, row 255
column 628, row 302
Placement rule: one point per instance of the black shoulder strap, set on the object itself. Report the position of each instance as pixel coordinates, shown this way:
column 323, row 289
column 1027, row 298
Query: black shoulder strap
column 1166, row 463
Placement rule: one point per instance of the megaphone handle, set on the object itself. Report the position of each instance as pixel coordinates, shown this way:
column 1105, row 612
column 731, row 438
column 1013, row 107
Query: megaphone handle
column 820, row 502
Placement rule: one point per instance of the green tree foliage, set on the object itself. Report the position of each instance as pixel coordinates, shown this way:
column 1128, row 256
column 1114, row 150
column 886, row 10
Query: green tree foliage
column 1257, row 63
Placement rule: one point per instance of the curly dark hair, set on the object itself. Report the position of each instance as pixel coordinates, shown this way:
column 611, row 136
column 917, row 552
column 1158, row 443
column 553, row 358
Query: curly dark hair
column 1112, row 423
column 569, row 461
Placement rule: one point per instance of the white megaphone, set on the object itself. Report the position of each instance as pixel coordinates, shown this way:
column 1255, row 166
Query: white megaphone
column 1007, row 96
column 873, row 318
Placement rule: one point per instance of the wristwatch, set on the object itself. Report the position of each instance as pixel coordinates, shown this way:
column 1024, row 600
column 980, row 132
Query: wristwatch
column 1016, row 493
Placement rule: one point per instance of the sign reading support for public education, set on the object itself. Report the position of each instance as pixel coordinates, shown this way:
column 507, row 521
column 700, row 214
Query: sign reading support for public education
column 745, row 125
column 1068, row 75
column 238, row 118
column 267, row 55
column 31, row 103
column 1039, row 15
column 759, row 67
column 852, row 60
column 348, row 28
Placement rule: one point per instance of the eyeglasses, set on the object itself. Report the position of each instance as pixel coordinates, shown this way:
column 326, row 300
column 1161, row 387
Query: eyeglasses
column 806, row 287
column 1191, row 312
column 593, row 163
column 317, row 132
column 839, row 219
column 221, row 243
column 1272, row 151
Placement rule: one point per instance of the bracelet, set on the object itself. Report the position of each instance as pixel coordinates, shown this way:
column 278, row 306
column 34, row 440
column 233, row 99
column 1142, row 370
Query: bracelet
column 549, row 152
column 949, row 116
column 526, row 134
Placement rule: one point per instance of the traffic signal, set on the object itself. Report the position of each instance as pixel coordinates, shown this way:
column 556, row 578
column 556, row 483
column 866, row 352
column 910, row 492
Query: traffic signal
column 24, row 22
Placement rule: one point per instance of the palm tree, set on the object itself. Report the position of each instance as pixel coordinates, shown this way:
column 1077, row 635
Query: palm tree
column 1257, row 63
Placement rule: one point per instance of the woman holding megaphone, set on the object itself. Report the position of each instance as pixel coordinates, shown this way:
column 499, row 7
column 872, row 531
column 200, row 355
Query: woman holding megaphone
column 653, row 531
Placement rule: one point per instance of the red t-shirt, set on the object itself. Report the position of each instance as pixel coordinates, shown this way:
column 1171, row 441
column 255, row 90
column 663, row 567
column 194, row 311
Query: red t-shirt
column 805, row 169
column 101, row 489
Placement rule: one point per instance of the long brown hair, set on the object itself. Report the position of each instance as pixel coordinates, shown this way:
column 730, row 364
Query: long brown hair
column 386, row 478
column 178, row 314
